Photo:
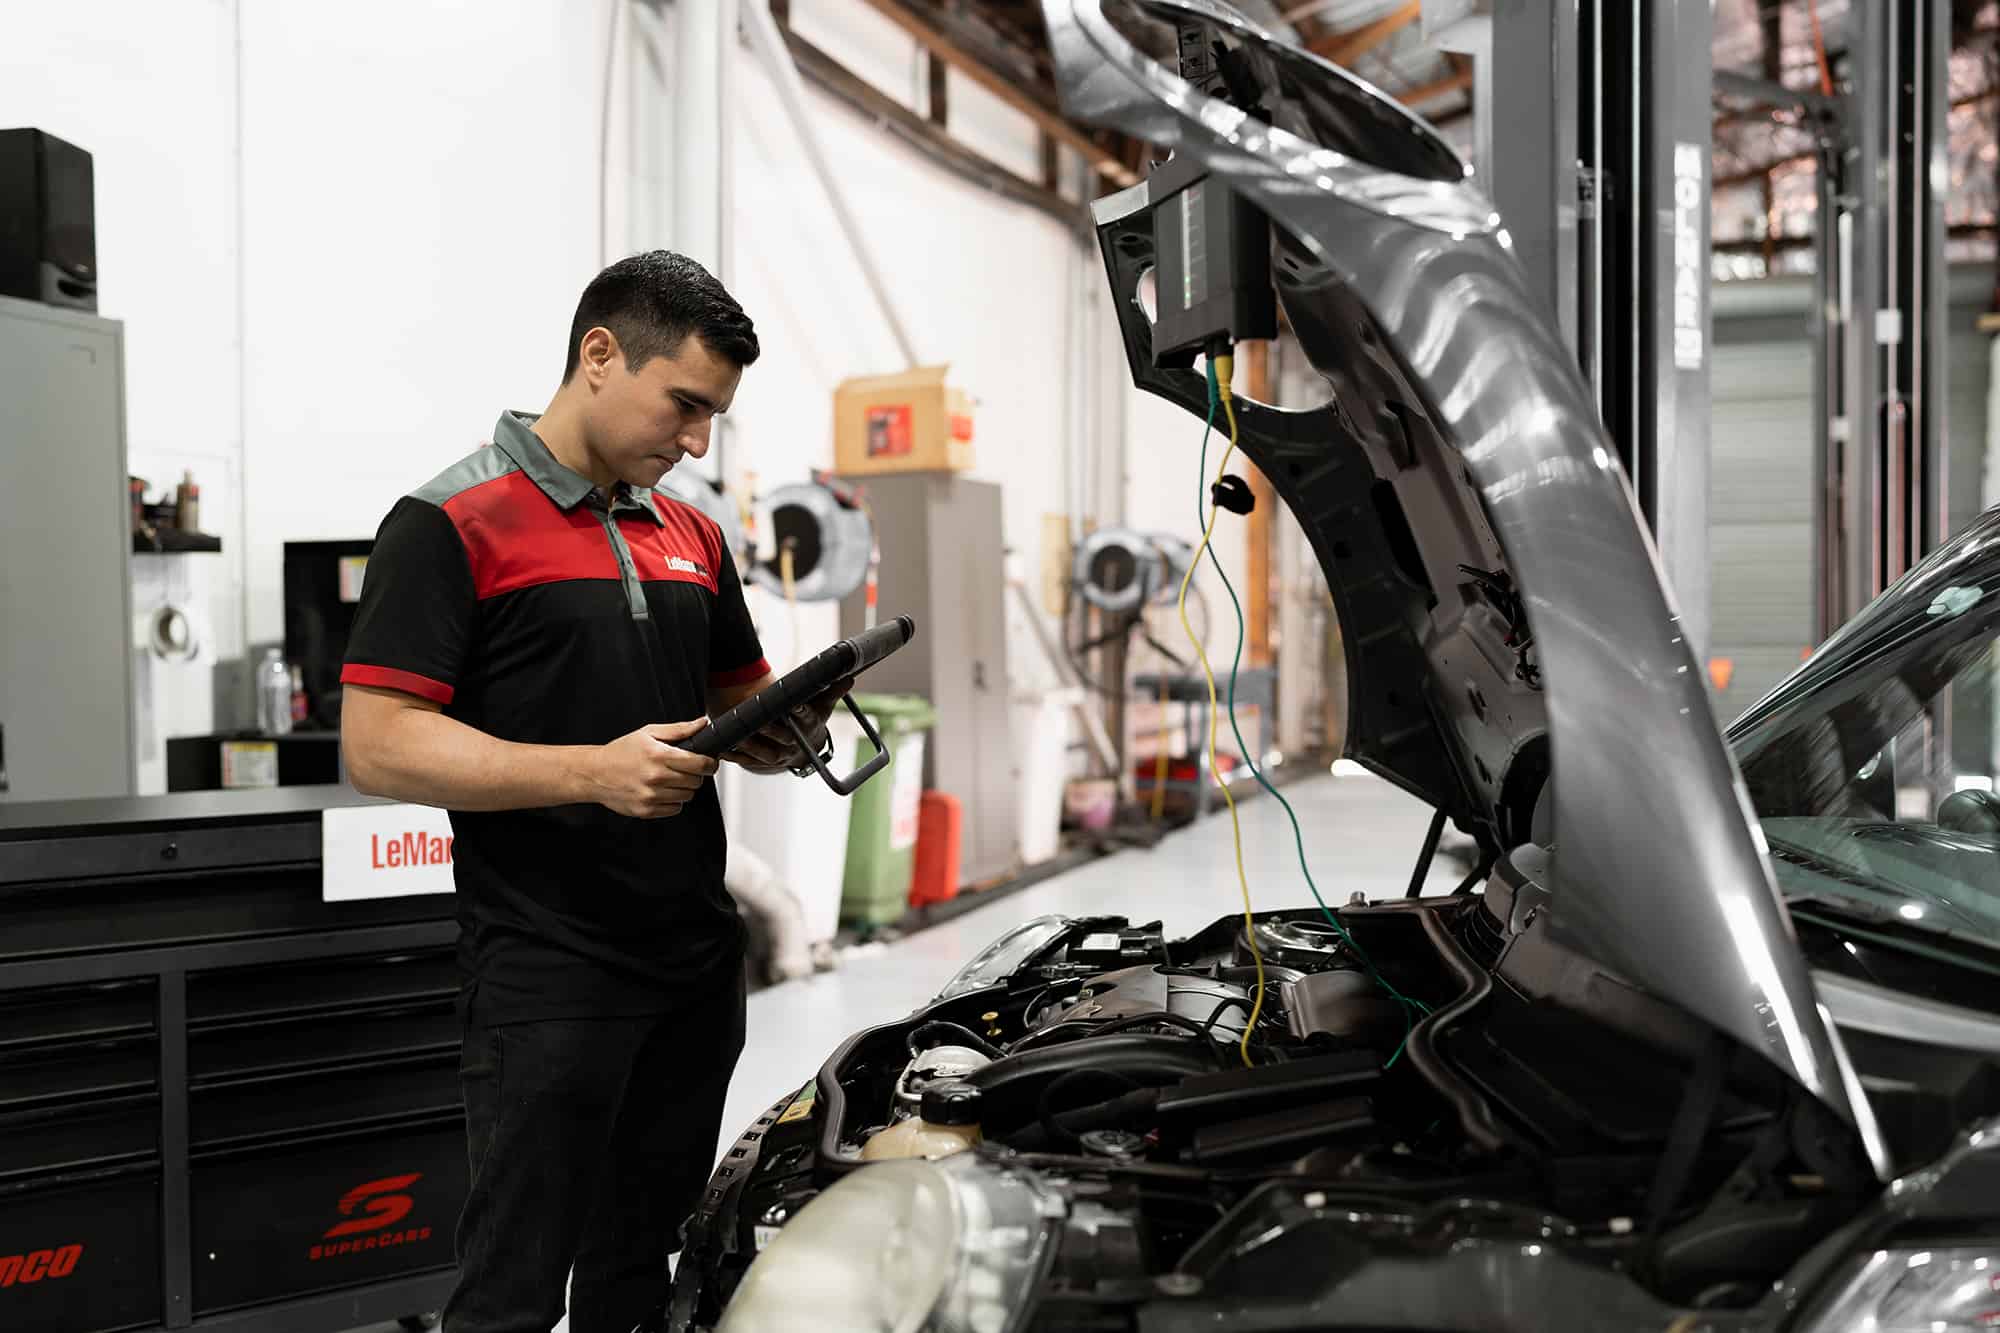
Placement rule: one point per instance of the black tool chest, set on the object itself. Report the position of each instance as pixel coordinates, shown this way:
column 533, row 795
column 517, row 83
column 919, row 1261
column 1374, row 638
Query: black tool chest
column 224, row 1103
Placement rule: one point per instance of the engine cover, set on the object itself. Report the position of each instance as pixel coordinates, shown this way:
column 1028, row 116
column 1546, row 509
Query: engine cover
column 1192, row 994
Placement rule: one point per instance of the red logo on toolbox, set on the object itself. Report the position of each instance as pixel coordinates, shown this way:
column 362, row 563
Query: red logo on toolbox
column 38, row 1264
column 412, row 849
column 383, row 1205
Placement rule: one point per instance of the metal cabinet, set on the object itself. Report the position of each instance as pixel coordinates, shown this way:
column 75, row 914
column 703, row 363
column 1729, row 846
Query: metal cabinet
column 66, row 725
column 942, row 562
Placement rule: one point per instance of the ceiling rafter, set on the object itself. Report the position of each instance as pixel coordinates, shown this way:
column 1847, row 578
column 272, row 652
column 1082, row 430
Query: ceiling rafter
column 1347, row 47
column 1038, row 106
column 1457, row 81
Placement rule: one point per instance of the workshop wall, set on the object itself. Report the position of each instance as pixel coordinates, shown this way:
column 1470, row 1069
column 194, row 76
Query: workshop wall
column 337, row 257
column 147, row 87
column 980, row 282
column 419, row 216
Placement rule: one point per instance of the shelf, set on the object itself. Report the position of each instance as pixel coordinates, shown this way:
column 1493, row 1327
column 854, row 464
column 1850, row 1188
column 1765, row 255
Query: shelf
column 173, row 541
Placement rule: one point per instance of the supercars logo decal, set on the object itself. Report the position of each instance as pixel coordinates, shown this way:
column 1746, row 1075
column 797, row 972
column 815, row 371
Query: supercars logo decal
column 372, row 1210
column 680, row 564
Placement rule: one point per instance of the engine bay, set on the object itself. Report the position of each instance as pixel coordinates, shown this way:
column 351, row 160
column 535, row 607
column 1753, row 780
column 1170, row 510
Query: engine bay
column 1518, row 1089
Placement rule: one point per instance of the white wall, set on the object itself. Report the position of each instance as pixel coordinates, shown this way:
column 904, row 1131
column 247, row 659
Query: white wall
column 978, row 281
column 419, row 206
column 421, row 209
column 147, row 87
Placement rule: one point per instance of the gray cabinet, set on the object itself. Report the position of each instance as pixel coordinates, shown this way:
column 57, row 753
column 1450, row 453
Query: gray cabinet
column 65, row 546
column 942, row 549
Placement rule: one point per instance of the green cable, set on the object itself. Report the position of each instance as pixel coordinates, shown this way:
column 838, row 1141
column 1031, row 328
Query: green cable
column 1256, row 771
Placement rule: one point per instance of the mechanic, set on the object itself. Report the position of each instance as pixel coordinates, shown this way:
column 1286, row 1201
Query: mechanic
column 536, row 630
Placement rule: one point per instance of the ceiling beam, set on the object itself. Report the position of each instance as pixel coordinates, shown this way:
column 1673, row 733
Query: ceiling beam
column 1008, row 90
column 1347, row 47
column 1307, row 9
column 1455, row 82
column 827, row 74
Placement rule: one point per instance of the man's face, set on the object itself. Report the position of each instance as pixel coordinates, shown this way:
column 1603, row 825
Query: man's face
column 643, row 423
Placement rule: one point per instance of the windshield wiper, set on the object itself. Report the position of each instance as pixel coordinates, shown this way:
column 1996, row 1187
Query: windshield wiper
column 1805, row 859
column 1859, row 897
column 1857, row 921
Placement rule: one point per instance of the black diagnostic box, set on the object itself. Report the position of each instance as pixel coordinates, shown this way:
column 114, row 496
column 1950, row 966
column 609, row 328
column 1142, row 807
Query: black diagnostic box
column 1212, row 264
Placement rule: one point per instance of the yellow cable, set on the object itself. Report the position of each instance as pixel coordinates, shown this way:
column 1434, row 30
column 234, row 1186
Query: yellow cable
column 1160, row 760
column 1223, row 366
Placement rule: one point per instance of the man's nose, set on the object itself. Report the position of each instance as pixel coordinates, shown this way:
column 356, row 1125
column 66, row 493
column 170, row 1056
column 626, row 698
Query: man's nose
column 694, row 439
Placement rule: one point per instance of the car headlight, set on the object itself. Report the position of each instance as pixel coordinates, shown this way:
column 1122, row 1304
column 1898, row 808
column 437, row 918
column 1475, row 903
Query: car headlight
column 1006, row 955
column 945, row 1247
column 1917, row 1291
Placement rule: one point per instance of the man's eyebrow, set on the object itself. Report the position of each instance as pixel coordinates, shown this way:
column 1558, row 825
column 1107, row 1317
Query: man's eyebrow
column 699, row 400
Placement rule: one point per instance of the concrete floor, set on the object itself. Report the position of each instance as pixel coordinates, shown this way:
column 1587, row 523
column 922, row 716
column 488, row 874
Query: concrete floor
column 1361, row 835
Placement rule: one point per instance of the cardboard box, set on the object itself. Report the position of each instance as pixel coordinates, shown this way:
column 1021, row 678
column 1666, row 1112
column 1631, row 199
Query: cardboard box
column 911, row 421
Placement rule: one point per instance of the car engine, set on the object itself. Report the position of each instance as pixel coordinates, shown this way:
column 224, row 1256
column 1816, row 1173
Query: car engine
column 1403, row 1061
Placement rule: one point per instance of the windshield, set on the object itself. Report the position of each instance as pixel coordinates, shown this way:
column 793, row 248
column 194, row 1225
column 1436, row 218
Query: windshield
column 1872, row 770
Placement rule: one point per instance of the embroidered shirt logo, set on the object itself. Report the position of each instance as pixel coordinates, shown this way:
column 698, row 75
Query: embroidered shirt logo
column 682, row 565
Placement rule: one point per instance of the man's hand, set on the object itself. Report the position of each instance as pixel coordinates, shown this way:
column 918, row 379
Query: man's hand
column 775, row 749
column 644, row 777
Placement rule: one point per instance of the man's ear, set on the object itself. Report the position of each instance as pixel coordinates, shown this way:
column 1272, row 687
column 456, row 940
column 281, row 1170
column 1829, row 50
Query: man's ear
column 598, row 355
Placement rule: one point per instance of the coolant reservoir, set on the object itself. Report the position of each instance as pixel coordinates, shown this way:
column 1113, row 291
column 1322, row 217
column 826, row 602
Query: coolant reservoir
column 947, row 1123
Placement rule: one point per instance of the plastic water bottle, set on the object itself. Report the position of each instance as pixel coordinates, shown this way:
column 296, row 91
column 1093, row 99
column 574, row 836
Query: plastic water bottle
column 274, row 695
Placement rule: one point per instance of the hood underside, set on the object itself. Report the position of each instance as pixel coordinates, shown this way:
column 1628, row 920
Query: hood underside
column 1504, row 619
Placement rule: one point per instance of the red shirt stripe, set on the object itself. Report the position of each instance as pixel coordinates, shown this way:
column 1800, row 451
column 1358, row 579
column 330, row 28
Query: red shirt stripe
column 742, row 675
column 388, row 678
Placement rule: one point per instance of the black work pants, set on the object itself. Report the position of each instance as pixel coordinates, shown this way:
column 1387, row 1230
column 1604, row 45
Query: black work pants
column 590, row 1140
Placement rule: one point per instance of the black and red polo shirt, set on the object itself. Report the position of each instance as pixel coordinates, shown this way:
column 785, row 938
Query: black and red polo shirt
column 514, row 593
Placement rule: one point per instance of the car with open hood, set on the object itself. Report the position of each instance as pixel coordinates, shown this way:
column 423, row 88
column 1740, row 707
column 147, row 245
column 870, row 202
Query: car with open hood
column 1711, row 1040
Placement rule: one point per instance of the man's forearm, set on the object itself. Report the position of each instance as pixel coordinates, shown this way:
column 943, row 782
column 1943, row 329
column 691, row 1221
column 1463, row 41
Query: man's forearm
column 427, row 758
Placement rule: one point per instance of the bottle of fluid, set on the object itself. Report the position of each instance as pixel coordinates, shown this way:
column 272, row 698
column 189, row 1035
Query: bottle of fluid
column 274, row 695
column 947, row 1124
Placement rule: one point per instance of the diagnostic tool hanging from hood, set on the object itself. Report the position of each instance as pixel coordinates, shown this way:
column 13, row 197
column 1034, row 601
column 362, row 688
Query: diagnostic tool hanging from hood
column 1213, row 284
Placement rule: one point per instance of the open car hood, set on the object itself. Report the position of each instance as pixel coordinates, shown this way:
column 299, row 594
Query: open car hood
column 1457, row 469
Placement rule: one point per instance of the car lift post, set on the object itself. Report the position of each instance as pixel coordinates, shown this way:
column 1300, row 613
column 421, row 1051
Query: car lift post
column 1605, row 190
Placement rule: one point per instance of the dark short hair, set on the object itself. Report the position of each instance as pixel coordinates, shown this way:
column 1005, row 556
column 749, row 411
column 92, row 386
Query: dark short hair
column 652, row 301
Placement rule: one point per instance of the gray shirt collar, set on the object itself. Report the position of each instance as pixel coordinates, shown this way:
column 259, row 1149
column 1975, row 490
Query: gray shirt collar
column 514, row 436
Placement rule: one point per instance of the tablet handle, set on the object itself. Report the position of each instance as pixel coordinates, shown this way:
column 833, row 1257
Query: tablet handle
column 850, row 784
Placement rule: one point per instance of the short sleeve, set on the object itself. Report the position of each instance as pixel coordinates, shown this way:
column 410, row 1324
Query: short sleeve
column 413, row 629
column 735, row 657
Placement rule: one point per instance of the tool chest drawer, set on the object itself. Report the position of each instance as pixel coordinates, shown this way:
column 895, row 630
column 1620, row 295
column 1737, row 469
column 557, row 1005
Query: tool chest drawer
column 81, row 1255
column 340, row 1044
column 79, row 1079
column 334, row 986
column 335, row 1211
